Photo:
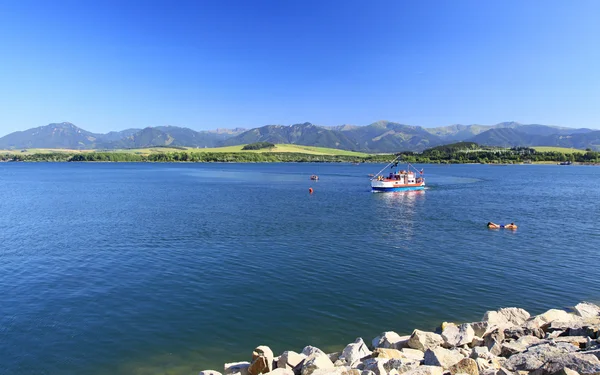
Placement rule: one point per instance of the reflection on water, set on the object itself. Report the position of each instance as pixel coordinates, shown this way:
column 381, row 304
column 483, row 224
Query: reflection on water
column 399, row 209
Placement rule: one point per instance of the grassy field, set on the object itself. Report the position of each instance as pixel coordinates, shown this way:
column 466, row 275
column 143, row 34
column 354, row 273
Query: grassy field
column 564, row 150
column 154, row 150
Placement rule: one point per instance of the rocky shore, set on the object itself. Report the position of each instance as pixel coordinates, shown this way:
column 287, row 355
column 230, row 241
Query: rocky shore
column 505, row 342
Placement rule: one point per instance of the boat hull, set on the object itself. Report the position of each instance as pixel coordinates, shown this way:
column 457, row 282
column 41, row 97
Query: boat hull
column 391, row 189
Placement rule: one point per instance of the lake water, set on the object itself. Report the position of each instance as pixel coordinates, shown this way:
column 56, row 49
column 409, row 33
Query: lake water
column 176, row 268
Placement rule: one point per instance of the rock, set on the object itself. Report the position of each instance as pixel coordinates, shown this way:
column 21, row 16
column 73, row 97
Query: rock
column 477, row 341
column 353, row 353
column 454, row 336
column 426, row 370
column 291, row 360
column 413, row 354
column 493, row 341
column 389, row 353
column 518, row 346
column 390, row 340
column 552, row 315
column 586, row 310
column 310, row 350
column 465, row 366
column 235, row 367
column 480, row 352
column 580, row 341
column 504, row 371
column 584, row 364
column 345, row 370
column 281, row 371
column 262, row 360
column 375, row 365
column 482, row 364
column 515, row 333
column 508, row 316
column 535, row 356
column 566, row 371
column 497, row 362
column 480, row 328
column 209, row 372
column 441, row 357
column 316, row 361
column 333, row 357
column 422, row 340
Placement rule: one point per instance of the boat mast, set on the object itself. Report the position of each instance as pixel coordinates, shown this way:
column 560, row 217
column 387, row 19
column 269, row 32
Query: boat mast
column 384, row 168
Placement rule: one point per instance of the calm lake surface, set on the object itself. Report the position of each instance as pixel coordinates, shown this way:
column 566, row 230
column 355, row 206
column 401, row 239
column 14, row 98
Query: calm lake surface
column 177, row 268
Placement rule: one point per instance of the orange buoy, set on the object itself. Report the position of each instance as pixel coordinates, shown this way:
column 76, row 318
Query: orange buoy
column 310, row 190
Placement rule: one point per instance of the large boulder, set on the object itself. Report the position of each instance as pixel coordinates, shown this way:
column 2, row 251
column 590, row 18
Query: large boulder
column 316, row 361
column 422, row 340
column 493, row 340
column 262, row 360
column 388, row 353
column 236, row 367
column 441, row 357
column 508, row 316
column 534, row 357
column 390, row 339
column 354, row 352
column 425, row 370
column 290, row 360
column 480, row 328
column 465, row 366
column 480, row 352
column 310, row 350
column 584, row 364
column 515, row 333
column 552, row 315
column 400, row 365
column 454, row 335
column 586, row 310
column 413, row 354
column 375, row 365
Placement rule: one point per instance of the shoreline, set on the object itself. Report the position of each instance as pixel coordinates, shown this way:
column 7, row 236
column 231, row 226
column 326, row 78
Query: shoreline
column 508, row 341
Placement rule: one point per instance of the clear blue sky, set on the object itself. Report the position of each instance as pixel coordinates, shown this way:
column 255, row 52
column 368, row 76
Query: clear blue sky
column 113, row 64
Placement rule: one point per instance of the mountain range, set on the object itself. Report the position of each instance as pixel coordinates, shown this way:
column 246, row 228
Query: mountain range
column 378, row 137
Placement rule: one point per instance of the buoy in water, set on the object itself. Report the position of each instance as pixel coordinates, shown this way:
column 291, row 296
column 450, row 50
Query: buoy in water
column 310, row 190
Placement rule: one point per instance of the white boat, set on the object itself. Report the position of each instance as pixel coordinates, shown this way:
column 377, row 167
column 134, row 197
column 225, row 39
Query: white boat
column 398, row 179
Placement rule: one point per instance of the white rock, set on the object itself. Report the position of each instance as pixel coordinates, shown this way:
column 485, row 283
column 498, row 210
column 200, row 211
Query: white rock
column 316, row 361
column 454, row 335
column 345, row 370
column 480, row 352
column 375, row 365
column 552, row 315
column 209, row 372
column 413, row 354
column 390, row 340
column 508, row 316
column 310, row 350
column 587, row 310
column 290, row 360
column 353, row 353
column 422, row 340
column 281, row 371
column 235, row 367
column 441, row 357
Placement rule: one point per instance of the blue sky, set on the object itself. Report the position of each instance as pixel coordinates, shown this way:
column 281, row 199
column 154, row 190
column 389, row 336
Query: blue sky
column 109, row 65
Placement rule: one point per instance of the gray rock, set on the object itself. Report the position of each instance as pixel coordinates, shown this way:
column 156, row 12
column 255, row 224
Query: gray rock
column 291, row 360
column 333, row 357
column 399, row 365
column 534, row 357
column 482, row 364
column 587, row 310
column 518, row 346
column 480, row 328
column 493, row 341
column 508, row 316
column 441, row 357
column 552, row 315
column 344, row 370
column 515, row 333
column 566, row 371
column 209, row 372
column 477, row 341
column 465, row 366
column 235, row 367
column 354, row 352
column 316, row 361
column 480, row 352
column 374, row 365
column 426, row 370
column 391, row 340
column 422, row 340
column 584, row 364
column 454, row 335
